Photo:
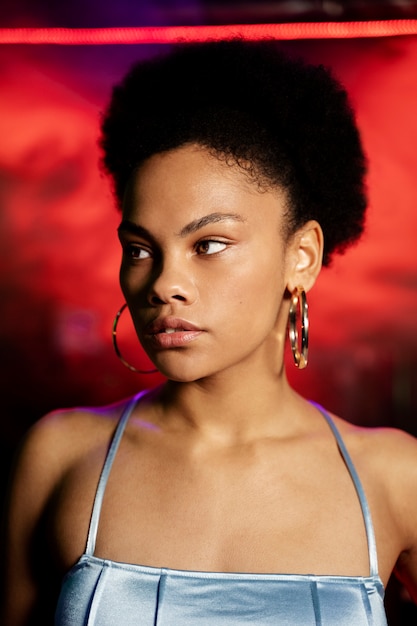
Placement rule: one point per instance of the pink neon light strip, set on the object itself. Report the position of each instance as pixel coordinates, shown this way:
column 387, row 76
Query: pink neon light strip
column 176, row 34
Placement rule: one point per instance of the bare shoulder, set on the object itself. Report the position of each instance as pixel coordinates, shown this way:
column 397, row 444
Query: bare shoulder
column 62, row 436
column 51, row 450
column 52, row 446
column 389, row 449
column 386, row 459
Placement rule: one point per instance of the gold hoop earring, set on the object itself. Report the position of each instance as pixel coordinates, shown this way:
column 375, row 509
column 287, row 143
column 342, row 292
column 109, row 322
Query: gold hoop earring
column 116, row 347
column 298, row 301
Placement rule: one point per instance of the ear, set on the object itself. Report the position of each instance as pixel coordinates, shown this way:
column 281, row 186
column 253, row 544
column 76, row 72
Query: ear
column 305, row 254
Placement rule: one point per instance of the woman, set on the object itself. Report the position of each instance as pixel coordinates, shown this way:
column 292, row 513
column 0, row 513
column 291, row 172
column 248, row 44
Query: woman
column 222, row 496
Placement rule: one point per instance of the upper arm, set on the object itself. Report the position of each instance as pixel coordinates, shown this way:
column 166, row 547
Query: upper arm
column 406, row 572
column 404, row 472
column 55, row 448
column 34, row 477
column 406, row 566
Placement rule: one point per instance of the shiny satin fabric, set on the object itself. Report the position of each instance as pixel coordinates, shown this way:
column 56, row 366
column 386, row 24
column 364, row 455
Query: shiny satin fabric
column 103, row 593
column 98, row 592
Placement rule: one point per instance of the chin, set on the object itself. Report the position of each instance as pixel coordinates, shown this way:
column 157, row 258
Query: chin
column 184, row 373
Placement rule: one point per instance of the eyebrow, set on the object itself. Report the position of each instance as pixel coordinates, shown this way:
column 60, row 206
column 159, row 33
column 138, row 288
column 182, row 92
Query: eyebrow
column 192, row 227
column 130, row 227
column 212, row 218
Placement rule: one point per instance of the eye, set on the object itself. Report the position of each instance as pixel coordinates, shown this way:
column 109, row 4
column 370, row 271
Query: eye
column 210, row 246
column 136, row 252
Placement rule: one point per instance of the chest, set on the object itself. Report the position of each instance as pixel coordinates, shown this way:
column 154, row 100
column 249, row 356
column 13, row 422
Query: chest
column 279, row 511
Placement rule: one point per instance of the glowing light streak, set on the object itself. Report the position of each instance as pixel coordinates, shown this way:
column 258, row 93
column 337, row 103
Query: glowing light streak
column 177, row 34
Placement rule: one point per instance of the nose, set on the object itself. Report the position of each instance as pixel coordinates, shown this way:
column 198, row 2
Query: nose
column 172, row 283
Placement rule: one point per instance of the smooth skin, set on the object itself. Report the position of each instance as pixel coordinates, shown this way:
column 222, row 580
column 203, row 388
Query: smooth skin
column 224, row 467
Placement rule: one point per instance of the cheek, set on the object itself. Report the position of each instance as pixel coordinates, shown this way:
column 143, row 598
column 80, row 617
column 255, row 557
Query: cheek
column 260, row 278
column 124, row 280
column 122, row 277
column 252, row 295
column 131, row 282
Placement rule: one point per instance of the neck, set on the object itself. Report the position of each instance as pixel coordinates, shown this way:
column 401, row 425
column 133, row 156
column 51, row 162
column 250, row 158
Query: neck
column 232, row 407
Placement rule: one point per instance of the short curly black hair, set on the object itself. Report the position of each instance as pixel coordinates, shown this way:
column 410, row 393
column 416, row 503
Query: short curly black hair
column 288, row 123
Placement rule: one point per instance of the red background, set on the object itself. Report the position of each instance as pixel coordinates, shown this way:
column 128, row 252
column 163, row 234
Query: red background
column 59, row 253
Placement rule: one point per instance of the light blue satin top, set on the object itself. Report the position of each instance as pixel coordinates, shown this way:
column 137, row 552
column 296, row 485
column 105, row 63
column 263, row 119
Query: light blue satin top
column 100, row 592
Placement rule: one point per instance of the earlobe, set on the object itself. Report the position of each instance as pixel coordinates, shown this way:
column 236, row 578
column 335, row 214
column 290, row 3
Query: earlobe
column 307, row 254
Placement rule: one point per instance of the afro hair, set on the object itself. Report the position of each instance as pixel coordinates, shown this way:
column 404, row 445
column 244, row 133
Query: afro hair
column 286, row 122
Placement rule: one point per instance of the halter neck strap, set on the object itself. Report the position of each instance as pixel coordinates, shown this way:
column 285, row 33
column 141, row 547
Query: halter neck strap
column 370, row 534
column 105, row 472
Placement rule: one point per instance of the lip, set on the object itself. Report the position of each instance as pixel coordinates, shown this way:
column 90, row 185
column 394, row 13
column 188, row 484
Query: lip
column 182, row 332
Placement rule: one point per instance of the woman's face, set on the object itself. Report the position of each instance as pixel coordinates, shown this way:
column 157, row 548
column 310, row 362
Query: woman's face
column 204, row 264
